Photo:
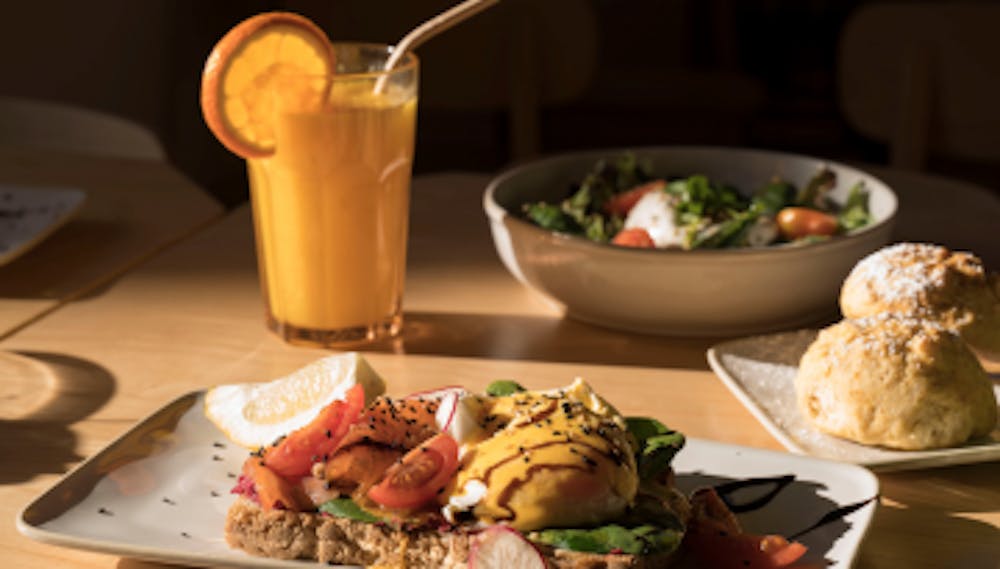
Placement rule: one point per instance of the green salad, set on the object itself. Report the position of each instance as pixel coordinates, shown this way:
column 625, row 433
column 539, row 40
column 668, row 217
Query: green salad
column 622, row 202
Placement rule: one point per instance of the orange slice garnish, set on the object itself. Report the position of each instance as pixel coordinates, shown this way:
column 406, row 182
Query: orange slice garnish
column 243, row 78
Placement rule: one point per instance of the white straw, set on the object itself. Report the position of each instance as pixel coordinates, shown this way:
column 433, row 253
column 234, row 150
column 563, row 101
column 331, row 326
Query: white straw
column 431, row 28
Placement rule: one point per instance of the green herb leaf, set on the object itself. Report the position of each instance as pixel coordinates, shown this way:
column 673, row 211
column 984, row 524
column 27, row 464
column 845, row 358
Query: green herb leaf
column 773, row 197
column 855, row 213
column 640, row 540
column 347, row 508
column 657, row 445
column 502, row 387
column 814, row 194
column 548, row 216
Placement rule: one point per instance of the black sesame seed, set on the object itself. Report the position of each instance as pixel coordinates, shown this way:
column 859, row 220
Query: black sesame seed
column 169, row 501
column 105, row 512
column 217, row 458
column 185, row 534
column 214, row 494
column 230, row 475
column 218, row 445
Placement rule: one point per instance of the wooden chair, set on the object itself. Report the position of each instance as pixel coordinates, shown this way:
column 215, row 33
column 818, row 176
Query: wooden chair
column 925, row 79
column 43, row 124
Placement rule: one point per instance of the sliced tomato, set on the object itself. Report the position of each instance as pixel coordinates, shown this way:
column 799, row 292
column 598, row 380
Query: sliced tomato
column 294, row 456
column 420, row 476
column 272, row 490
column 634, row 237
column 621, row 204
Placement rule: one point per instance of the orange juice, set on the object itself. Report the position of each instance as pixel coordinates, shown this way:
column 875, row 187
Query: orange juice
column 330, row 212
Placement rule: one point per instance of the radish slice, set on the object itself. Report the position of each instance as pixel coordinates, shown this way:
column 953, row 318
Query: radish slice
column 439, row 393
column 446, row 411
column 501, row 547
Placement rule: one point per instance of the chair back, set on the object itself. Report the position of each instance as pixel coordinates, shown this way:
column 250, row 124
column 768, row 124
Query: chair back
column 924, row 78
column 44, row 124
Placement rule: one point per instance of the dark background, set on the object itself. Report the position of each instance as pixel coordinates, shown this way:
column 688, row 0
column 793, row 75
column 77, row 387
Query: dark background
column 534, row 77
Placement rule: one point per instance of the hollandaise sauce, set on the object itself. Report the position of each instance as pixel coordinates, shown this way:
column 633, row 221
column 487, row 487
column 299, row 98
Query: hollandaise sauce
column 549, row 459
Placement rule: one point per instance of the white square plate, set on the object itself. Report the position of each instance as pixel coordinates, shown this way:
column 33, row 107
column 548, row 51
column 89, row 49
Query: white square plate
column 761, row 370
column 161, row 492
column 29, row 215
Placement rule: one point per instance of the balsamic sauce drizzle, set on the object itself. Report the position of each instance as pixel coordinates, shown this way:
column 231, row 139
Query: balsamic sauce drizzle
column 835, row 515
column 726, row 489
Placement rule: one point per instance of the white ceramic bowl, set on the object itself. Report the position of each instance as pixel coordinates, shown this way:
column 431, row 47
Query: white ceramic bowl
column 688, row 293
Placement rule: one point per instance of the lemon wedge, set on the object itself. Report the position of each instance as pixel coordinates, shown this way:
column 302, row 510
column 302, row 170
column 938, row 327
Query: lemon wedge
column 256, row 414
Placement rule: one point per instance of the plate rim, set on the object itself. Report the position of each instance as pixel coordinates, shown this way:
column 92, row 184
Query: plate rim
column 935, row 458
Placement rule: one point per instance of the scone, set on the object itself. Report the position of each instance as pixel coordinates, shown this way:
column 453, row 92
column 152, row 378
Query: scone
column 931, row 282
column 895, row 382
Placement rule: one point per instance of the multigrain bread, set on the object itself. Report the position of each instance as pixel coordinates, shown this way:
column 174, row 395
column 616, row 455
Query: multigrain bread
column 928, row 282
column 283, row 534
column 896, row 382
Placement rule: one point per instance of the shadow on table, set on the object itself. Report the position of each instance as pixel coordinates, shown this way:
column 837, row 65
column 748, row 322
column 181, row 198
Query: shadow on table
column 59, row 266
column 942, row 501
column 51, row 393
column 543, row 339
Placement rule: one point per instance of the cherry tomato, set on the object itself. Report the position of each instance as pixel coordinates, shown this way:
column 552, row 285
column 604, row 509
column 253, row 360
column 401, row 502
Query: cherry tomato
column 798, row 222
column 420, row 476
column 294, row 456
column 621, row 204
column 634, row 237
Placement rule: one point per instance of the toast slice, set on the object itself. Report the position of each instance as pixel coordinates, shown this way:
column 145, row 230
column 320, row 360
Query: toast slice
column 284, row 534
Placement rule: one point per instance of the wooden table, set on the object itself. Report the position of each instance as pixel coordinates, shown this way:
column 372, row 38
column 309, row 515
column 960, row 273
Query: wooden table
column 192, row 317
column 133, row 209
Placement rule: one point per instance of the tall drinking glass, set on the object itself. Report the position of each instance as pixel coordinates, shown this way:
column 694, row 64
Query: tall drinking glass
column 331, row 205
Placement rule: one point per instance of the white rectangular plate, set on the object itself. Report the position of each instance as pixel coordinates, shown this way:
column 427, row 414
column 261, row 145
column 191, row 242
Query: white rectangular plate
column 161, row 492
column 29, row 215
column 760, row 371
